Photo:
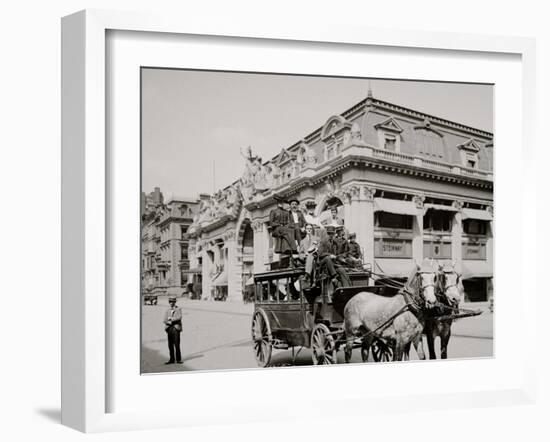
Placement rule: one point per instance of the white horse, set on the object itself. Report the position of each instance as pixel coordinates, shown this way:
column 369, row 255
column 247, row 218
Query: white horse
column 398, row 321
column 450, row 292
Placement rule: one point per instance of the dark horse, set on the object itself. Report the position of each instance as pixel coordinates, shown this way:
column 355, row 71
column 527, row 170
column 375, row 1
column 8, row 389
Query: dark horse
column 398, row 321
column 449, row 295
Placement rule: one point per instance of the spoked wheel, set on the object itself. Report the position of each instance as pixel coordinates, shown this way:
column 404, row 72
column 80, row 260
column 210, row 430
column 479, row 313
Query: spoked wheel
column 323, row 346
column 381, row 351
column 262, row 338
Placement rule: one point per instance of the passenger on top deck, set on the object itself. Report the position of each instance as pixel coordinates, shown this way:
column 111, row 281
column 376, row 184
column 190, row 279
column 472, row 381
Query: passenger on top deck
column 281, row 230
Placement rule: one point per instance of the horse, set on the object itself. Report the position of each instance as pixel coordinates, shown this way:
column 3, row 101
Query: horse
column 449, row 296
column 398, row 320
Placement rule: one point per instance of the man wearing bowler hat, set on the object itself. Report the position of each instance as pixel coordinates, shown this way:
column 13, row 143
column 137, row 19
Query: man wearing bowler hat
column 172, row 326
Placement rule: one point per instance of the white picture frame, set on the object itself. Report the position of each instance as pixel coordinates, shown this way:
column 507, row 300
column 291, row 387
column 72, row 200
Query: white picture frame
column 86, row 213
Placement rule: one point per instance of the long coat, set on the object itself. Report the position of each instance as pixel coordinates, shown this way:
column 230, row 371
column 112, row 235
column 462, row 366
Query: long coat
column 281, row 232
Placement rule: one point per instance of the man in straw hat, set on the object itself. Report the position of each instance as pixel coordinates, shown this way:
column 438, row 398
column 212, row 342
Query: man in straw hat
column 172, row 326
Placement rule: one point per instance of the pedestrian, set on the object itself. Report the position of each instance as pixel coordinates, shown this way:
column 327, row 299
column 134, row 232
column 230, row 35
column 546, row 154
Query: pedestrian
column 172, row 323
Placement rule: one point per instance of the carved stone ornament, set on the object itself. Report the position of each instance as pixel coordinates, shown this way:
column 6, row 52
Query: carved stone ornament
column 351, row 192
column 256, row 226
column 418, row 200
column 368, row 193
column 458, row 205
column 228, row 236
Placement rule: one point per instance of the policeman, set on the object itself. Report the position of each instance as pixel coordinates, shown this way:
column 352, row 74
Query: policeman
column 172, row 326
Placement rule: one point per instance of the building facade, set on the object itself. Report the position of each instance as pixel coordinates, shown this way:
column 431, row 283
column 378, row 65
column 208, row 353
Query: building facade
column 165, row 265
column 409, row 184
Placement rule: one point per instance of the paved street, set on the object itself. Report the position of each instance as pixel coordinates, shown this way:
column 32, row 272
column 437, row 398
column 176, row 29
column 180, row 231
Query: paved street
column 216, row 335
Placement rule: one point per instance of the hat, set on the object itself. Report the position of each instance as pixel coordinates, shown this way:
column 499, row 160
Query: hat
column 293, row 199
column 330, row 229
column 172, row 298
column 278, row 198
column 352, row 235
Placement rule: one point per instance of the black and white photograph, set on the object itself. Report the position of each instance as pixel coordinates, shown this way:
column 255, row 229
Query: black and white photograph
column 294, row 220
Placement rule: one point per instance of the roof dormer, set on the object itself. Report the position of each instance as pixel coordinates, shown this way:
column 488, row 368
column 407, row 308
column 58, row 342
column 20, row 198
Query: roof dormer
column 389, row 125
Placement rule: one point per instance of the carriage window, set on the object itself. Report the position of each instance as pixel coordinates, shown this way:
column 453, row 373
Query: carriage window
column 393, row 221
column 262, row 291
column 279, row 292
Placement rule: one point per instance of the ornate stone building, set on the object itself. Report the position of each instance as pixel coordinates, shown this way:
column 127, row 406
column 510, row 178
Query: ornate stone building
column 165, row 267
column 410, row 185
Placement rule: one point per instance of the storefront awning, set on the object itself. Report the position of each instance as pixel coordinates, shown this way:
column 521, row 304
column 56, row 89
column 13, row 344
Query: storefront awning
column 396, row 206
column 483, row 215
column 249, row 281
column 476, row 269
column 396, row 268
column 220, row 280
column 438, row 207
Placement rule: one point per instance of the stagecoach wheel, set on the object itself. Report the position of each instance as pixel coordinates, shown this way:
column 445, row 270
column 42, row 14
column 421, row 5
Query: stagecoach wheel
column 381, row 352
column 323, row 346
column 261, row 337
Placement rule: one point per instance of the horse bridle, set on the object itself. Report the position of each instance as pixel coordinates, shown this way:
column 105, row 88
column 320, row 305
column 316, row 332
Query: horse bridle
column 412, row 299
column 444, row 287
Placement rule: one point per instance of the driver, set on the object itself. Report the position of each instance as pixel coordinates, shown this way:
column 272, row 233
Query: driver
column 328, row 251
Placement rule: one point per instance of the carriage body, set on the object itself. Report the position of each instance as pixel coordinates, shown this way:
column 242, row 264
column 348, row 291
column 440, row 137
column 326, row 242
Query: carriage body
column 287, row 314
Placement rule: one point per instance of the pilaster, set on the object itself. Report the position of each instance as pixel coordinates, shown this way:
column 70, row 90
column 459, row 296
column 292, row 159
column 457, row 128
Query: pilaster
column 260, row 246
column 456, row 237
column 207, row 267
column 234, row 268
column 418, row 229
column 359, row 217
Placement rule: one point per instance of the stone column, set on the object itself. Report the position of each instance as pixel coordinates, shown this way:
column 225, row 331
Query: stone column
column 234, row 268
column 260, row 248
column 418, row 230
column 207, row 267
column 456, row 237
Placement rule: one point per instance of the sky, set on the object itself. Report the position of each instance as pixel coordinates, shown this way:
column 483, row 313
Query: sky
column 195, row 123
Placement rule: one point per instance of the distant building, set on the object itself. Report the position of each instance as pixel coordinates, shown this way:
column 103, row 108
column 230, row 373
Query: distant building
column 409, row 184
column 165, row 266
column 151, row 200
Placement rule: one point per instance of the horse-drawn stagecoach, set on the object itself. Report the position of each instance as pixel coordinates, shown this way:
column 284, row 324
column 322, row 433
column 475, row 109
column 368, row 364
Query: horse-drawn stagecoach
column 293, row 309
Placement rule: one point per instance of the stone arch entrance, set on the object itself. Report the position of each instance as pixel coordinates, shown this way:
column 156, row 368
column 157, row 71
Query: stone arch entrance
column 322, row 211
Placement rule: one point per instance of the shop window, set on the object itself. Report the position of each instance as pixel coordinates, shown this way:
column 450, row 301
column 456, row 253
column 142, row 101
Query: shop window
column 438, row 220
column 474, row 227
column 386, row 220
